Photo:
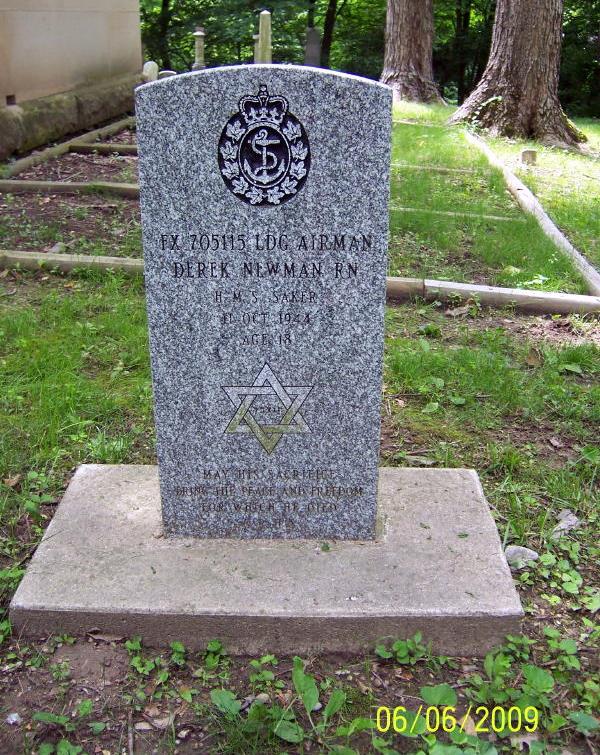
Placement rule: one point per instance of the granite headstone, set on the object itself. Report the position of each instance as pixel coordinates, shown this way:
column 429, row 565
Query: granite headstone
column 264, row 194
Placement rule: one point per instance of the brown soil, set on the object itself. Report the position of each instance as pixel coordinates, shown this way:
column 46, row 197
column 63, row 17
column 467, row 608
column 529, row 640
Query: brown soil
column 87, row 168
column 563, row 330
column 39, row 221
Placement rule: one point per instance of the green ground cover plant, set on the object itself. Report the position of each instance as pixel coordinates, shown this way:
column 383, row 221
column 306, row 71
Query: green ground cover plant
column 516, row 398
column 566, row 183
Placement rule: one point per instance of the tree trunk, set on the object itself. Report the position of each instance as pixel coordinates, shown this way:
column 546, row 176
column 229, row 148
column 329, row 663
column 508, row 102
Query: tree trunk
column 518, row 92
column 328, row 27
column 407, row 66
column 164, row 21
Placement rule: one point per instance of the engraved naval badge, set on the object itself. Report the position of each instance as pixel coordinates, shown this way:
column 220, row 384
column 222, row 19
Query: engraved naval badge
column 267, row 386
column 264, row 155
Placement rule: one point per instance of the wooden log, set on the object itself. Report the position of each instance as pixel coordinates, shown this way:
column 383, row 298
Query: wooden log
column 397, row 289
column 70, row 187
column 400, row 289
column 531, row 204
column 433, row 168
column 68, row 262
column 406, row 122
column 427, row 211
column 523, row 299
column 13, row 169
column 104, row 148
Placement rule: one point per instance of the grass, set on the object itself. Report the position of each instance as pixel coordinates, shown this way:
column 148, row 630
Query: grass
column 566, row 183
column 481, row 398
column 512, row 253
column 459, row 391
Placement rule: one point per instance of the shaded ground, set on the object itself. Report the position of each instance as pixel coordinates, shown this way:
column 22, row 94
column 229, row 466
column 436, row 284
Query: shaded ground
column 87, row 168
column 85, row 223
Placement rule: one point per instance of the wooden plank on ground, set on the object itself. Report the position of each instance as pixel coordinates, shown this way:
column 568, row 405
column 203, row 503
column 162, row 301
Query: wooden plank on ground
column 104, row 148
column 70, row 187
column 433, row 168
column 68, row 262
column 428, row 211
column 531, row 204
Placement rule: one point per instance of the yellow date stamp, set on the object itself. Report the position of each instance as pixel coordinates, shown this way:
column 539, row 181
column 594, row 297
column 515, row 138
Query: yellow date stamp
column 432, row 719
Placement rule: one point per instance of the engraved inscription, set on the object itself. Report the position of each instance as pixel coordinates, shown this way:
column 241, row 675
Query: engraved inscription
column 275, row 409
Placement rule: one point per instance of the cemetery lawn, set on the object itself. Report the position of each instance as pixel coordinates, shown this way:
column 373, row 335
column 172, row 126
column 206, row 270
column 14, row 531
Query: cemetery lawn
column 435, row 169
column 567, row 184
column 517, row 398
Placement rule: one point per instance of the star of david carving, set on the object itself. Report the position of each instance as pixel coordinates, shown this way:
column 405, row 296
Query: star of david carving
column 266, row 383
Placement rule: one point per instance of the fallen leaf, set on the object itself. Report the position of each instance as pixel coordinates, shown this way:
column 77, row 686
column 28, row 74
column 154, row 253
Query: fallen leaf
column 468, row 726
column 12, row 482
column 104, row 637
column 421, row 461
column 535, row 357
column 142, row 726
column 457, row 311
column 163, row 723
column 555, row 442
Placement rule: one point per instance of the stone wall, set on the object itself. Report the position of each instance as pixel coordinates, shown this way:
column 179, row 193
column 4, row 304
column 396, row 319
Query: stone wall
column 53, row 46
column 37, row 122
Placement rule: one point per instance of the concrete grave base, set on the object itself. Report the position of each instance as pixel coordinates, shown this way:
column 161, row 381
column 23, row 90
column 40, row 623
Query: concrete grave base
column 437, row 567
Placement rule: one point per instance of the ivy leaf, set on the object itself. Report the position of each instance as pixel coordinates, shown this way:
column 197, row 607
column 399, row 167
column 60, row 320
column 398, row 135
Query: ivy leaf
column 571, row 368
column 441, row 694
column 84, row 708
column 356, row 725
column 225, row 701
column 584, row 723
column 97, row 727
column 50, row 718
column 569, row 646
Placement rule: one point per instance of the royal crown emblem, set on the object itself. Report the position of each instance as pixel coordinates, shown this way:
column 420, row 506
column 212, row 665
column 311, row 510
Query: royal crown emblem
column 264, row 155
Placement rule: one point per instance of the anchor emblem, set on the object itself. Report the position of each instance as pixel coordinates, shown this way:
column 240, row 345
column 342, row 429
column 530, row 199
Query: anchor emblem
column 262, row 174
column 263, row 152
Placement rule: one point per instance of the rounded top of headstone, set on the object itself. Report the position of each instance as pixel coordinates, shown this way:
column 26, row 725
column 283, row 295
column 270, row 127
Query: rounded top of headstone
column 255, row 70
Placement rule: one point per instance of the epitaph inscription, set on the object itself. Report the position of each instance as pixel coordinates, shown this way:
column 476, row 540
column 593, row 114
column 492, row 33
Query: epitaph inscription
column 264, row 194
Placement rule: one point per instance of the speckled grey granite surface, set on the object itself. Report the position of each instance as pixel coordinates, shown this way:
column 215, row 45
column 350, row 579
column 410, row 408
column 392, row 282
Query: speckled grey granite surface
column 264, row 193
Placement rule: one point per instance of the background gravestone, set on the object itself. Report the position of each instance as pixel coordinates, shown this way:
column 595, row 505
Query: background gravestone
column 264, row 194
